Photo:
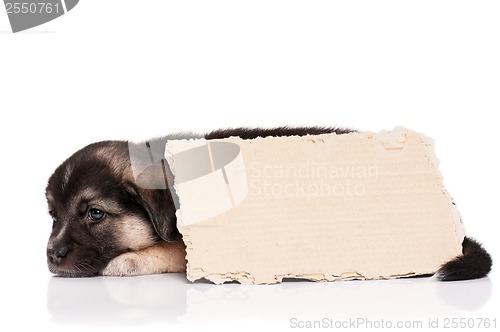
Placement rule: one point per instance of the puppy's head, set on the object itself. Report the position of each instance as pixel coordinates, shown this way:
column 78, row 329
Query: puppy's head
column 99, row 211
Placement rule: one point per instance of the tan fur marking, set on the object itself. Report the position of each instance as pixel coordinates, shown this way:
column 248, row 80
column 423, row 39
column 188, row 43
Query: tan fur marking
column 83, row 195
column 135, row 233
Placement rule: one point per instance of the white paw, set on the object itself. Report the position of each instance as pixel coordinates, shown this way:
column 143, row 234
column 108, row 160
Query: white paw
column 128, row 264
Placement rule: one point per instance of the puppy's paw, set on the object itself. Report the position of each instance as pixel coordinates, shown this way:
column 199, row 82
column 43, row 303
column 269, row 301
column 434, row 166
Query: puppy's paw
column 161, row 258
column 128, row 264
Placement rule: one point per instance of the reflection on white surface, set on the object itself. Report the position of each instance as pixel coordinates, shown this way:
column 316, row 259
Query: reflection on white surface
column 171, row 299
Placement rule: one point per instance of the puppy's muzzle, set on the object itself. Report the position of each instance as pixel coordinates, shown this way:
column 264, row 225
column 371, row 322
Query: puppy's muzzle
column 57, row 255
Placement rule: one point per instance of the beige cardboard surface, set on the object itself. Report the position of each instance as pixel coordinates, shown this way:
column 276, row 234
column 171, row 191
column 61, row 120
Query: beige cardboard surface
column 327, row 207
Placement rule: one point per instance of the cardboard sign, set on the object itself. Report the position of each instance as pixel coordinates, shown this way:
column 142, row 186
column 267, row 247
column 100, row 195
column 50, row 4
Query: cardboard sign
column 327, row 207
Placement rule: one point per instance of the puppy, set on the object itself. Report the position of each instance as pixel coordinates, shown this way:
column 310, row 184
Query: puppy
column 113, row 211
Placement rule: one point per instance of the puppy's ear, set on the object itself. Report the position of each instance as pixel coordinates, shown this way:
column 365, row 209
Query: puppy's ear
column 158, row 203
column 150, row 185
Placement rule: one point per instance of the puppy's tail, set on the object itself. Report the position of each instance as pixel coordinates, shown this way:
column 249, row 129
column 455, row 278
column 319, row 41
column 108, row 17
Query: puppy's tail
column 474, row 263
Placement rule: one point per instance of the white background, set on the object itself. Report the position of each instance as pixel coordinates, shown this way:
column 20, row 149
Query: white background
column 120, row 69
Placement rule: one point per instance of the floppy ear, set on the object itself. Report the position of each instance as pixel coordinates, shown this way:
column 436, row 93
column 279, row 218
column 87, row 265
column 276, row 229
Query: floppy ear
column 158, row 203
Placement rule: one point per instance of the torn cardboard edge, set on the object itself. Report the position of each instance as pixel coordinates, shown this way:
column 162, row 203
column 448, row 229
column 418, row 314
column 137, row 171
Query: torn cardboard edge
column 323, row 208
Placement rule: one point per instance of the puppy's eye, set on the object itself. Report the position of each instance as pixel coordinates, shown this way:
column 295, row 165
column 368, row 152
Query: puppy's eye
column 53, row 216
column 96, row 214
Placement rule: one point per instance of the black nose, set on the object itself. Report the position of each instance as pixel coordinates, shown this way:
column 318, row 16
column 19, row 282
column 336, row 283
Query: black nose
column 56, row 256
